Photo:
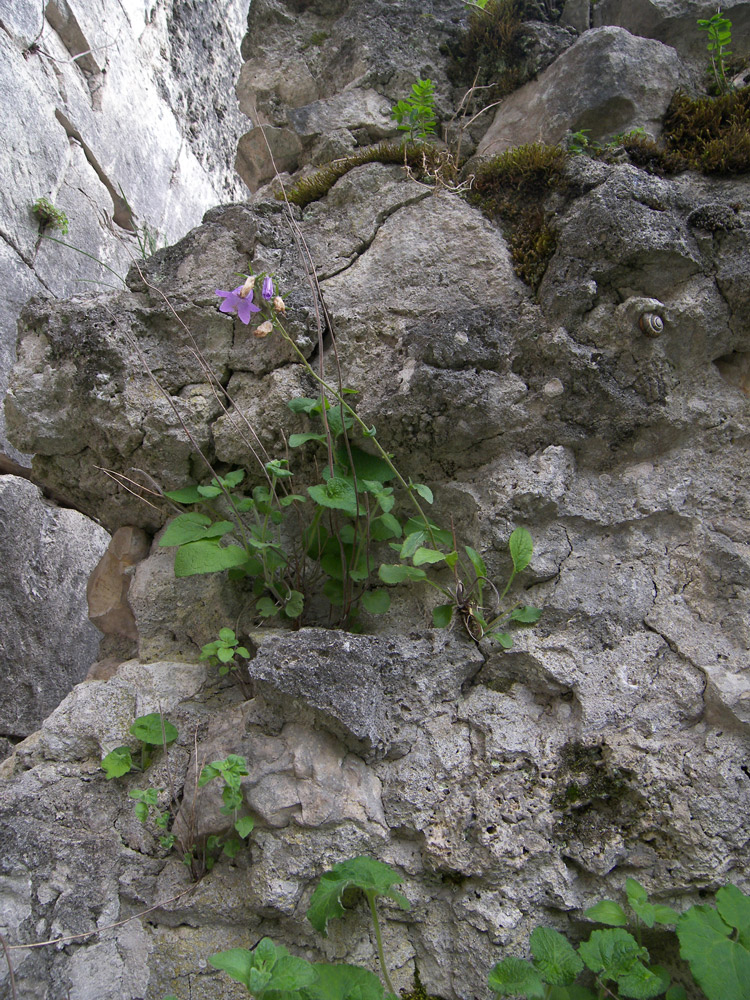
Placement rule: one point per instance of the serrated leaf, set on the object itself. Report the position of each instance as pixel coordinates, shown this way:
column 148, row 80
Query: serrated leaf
column 607, row 912
column 720, row 966
column 363, row 873
column 188, row 494
column 148, row 729
column 526, row 615
column 554, row 957
column 442, row 615
column 207, row 557
column 513, row 976
column 336, row 494
column 344, row 982
column 295, row 602
column 266, row 608
column 233, row 478
column 376, row 602
column 640, row 983
column 244, row 826
column 423, row 557
column 185, row 528
column 611, row 952
column 521, row 548
column 117, row 762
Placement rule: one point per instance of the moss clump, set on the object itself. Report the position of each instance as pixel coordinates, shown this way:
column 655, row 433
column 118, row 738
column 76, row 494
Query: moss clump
column 709, row 134
column 590, row 781
column 511, row 188
column 420, row 157
column 491, row 51
column 418, row 992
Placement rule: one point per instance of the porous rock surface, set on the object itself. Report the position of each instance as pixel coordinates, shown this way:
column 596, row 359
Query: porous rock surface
column 509, row 788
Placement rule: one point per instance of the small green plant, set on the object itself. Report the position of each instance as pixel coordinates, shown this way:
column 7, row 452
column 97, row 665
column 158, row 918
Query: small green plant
column 49, row 216
column 416, row 114
column 223, row 651
column 152, row 730
column 719, row 31
column 617, row 961
column 230, row 771
column 716, row 944
column 269, row 971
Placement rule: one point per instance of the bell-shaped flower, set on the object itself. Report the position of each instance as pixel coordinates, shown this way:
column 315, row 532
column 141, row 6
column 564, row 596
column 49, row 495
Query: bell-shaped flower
column 267, row 290
column 239, row 301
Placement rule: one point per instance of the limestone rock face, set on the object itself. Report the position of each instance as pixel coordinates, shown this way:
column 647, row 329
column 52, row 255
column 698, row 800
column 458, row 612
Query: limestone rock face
column 46, row 642
column 607, row 412
column 124, row 117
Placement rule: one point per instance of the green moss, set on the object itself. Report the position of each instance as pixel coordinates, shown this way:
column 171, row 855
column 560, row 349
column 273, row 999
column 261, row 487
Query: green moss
column 709, row 134
column 585, row 778
column 511, row 188
column 318, row 185
column 418, row 992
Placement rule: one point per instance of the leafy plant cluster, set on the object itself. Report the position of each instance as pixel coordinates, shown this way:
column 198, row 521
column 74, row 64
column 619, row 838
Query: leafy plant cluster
column 612, row 962
column 719, row 37
column 49, row 215
column 296, row 545
column 416, row 114
column 154, row 731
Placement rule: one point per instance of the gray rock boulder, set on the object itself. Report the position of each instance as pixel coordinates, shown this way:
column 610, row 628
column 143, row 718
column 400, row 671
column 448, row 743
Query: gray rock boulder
column 609, row 81
column 46, row 642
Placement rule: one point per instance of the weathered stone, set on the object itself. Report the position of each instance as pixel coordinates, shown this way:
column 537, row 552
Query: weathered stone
column 46, row 643
column 608, row 82
column 108, row 585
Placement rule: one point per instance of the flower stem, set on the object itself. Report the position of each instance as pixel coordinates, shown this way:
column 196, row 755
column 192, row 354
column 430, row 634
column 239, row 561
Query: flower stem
column 378, row 938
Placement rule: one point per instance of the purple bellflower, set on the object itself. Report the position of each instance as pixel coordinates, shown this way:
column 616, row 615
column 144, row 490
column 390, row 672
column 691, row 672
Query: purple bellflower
column 267, row 290
column 239, row 303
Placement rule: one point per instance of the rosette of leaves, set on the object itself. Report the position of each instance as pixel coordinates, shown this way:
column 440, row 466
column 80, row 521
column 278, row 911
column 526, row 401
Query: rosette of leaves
column 152, row 730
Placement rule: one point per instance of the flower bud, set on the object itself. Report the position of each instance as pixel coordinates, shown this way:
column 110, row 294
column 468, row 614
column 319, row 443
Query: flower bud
column 247, row 288
column 278, row 304
column 267, row 290
column 264, row 329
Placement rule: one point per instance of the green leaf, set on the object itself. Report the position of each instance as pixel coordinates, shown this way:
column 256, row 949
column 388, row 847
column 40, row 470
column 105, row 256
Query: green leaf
column 424, row 491
column 570, row 993
column 224, row 655
column 611, row 952
column 344, row 982
column 521, row 548
column 210, row 492
column 513, row 976
column 185, row 528
column 411, row 544
column 266, row 608
column 607, row 912
column 505, row 640
column 117, row 762
column 476, row 561
column 425, row 556
column 675, row 993
column 635, row 891
column 227, row 635
column 188, row 494
column 334, row 591
column 363, row 873
column 232, row 847
column 244, row 826
column 383, row 527
column 734, row 909
column 337, row 494
column 366, row 466
column 526, row 615
column 148, row 729
column 451, row 559
column 442, row 615
column 720, row 966
column 296, row 440
column 207, row 557
column 640, row 983
column 233, row 478
column 376, row 602
column 665, row 915
column 398, row 573
column 554, row 957
column 295, row 602
column 303, row 404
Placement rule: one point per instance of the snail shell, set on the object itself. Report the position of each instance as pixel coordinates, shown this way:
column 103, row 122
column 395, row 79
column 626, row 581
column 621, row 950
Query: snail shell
column 652, row 324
